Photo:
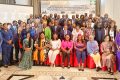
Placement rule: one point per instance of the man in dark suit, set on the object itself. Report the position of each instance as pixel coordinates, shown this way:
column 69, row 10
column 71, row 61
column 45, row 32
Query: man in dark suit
column 55, row 16
column 65, row 31
column 99, row 33
column 14, row 30
column 73, row 20
column 62, row 20
column 55, row 28
column 69, row 24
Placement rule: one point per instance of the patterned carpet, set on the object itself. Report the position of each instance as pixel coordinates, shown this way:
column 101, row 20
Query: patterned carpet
column 49, row 73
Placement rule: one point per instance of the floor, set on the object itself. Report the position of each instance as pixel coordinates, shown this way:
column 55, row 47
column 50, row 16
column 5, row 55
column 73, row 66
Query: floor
column 53, row 73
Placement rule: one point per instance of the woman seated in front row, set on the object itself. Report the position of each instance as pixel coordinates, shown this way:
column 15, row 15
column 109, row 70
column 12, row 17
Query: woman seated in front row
column 93, row 50
column 66, row 47
column 42, row 47
column 107, row 49
column 55, row 49
column 80, row 47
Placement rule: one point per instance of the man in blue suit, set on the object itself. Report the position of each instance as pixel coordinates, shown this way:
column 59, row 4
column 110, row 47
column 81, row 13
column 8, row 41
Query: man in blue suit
column 6, row 44
column 14, row 30
column 65, row 31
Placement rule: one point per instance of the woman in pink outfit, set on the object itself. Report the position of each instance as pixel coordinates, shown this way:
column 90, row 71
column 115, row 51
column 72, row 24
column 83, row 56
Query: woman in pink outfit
column 66, row 46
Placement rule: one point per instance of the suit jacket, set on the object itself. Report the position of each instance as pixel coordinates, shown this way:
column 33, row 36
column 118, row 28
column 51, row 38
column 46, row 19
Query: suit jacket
column 62, row 34
column 61, row 21
column 53, row 29
column 70, row 28
column 99, row 34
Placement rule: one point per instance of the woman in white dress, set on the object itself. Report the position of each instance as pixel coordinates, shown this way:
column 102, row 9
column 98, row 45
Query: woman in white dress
column 55, row 49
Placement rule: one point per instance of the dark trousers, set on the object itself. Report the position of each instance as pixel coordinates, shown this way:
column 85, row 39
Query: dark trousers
column 6, row 52
column 1, row 59
column 11, row 56
column 80, row 55
column 17, row 49
column 64, row 56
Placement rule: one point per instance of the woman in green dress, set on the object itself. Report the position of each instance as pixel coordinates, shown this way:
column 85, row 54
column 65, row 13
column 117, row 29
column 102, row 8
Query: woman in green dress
column 26, row 62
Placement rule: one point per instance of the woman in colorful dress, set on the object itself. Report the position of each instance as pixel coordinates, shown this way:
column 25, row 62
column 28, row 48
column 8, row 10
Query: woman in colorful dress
column 107, row 49
column 26, row 62
column 55, row 49
column 80, row 47
column 66, row 46
column 41, row 49
column 117, row 41
column 88, row 31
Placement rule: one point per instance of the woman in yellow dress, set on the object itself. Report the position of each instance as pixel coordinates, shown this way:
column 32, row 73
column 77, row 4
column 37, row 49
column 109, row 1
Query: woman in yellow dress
column 42, row 47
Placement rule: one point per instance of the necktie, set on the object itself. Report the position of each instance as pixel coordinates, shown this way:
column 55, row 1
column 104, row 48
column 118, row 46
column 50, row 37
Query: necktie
column 65, row 32
column 55, row 28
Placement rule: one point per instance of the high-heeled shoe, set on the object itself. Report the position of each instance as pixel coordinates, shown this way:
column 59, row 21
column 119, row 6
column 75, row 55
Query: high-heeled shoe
column 79, row 69
column 82, row 69
column 54, row 65
column 5, row 66
column 97, row 69
column 68, row 66
column 63, row 66
column 109, row 71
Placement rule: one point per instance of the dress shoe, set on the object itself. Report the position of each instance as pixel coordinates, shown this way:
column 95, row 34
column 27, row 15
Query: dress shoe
column 111, row 73
column 98, row 69
column 6, row 66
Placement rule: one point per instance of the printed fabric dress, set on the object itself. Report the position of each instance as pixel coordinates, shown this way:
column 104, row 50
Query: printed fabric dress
column 107, row 49
column 40, row 55
column 88, row 32
column 26, row 62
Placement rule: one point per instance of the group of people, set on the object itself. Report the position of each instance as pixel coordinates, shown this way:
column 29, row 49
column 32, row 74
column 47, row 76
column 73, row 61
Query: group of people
column 46, row 36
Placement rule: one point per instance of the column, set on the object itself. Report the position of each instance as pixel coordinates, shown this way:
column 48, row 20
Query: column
column 98, row 3
column 36, row 7
column 10, row 1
